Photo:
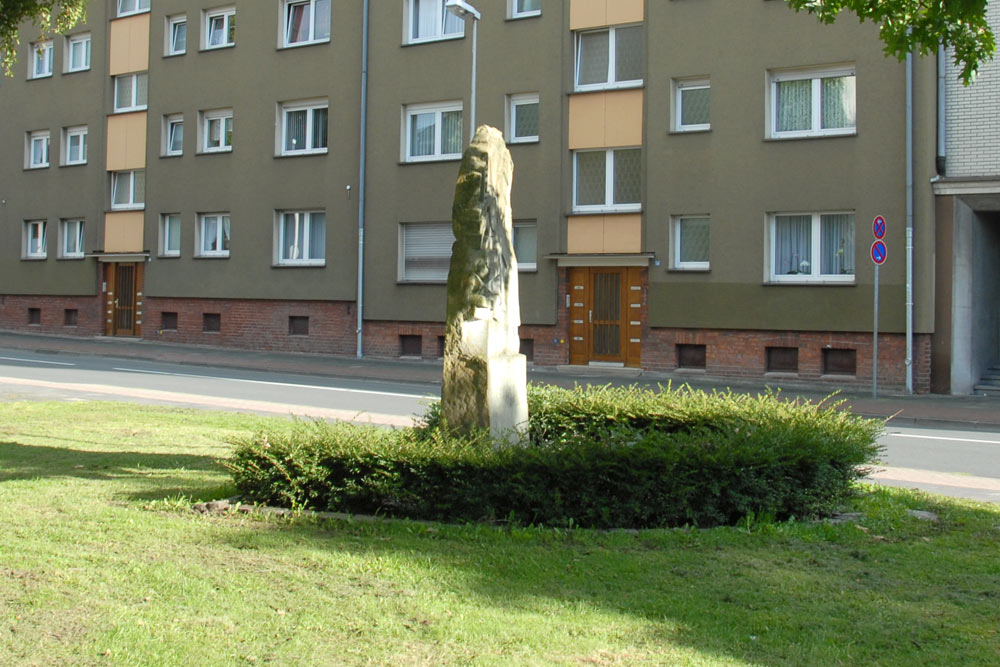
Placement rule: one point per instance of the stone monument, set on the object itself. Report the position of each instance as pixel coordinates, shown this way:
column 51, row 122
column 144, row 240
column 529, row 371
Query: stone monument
column 484, row 383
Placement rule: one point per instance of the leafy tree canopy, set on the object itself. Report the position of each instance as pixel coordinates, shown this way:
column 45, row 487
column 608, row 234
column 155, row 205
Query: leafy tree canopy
column 919, row 26
column 46, row 15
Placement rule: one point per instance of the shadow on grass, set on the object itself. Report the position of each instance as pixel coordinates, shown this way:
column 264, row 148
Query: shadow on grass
column 19, row 461
column 810, row 594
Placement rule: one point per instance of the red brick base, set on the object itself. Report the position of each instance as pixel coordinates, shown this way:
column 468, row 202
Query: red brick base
column 52, row 314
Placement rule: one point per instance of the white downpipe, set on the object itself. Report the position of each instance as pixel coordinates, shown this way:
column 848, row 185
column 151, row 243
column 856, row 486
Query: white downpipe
column 362, row 164
column 909, row 223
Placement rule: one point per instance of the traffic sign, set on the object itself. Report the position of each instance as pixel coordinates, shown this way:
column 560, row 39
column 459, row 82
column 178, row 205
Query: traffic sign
column 878, row 227
column 878, row 252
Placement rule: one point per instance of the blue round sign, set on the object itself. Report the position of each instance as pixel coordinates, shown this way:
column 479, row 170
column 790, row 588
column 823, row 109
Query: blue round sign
column 878, row 252
column 878, row 227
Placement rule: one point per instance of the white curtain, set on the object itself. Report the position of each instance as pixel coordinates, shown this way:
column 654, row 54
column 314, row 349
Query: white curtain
column 793, row 102
column 837, row 244
column 792, row 244
column 451, row 132
column 295, row 130
column 422, row 134
column 838, row 98
column 593, row 58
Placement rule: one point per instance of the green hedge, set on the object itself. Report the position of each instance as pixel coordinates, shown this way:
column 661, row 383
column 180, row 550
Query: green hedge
column 596, row 457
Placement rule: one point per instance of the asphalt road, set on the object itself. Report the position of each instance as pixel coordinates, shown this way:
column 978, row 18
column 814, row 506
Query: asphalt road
column 951, row 462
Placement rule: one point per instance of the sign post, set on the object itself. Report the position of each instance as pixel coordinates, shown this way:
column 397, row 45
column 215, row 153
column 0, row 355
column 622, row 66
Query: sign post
column 878, row 254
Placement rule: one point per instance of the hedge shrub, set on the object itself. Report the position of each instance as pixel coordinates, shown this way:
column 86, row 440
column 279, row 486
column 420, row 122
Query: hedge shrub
column 595, row 457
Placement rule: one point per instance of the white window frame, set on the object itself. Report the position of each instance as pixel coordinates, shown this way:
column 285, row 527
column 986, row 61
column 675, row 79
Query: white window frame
column 72, row 239
column 286, row 6
column 681, row 85
column 34, row 229
column 514, row 101
column 310, row 107
column 69, row 134
column 130, row 7
column 609, row 184
column 205, row 128
column 135, row 103
column 816, row 75
column 170, row 44
column 514, row 13
column 127, row 179
column 814, row 276
column 437, row 109
column 223, row 220
column 438, row 33
column 228, row 16
column 441, row 230
column 170, row 123
column 676, row 235
column 42, row 138
column 524, row 265
column 305, row 219
column 41, row 60
column 611, row 83
column 71, row 42
column 170, row 231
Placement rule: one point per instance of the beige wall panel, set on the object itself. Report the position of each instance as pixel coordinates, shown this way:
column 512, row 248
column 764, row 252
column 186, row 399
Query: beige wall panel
column 605, row 120
column 585, row 234
column 588, row 14
column 126, row 145
column 625, row 11
column 586, row 121
column 623, row 118
column 129, row 47
column 623, row 233
column 123, row 231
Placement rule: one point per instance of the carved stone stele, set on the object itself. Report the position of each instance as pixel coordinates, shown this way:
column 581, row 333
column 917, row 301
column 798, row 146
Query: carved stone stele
column 484, row 383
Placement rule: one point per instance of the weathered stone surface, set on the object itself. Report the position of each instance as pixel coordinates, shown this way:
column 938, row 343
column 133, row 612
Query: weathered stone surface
column 484, row 383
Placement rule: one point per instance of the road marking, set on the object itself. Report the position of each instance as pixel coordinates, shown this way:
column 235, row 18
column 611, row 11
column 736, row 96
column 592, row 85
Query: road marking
column 355, row 416
column 37, row 361
column 938, row 437
column 276, row 384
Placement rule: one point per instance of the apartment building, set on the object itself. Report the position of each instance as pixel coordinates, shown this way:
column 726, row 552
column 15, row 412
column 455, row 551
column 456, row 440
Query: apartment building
column 694, row 186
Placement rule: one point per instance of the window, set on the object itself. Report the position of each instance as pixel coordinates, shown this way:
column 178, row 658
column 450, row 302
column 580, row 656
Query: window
column 75, row 145
column 131, row 91
column 304, row 128
column 217, row 131
column 173, row 134
column 523, row 118
column 34, row 316
column 690, row 237
column 213, row 235
column 41, row 60
column 168, row 320
column 70, row 317
column 306, row 22
column 72, row 239
column 526, row 245
column 128, row 189
column 433, row 132
column 177, row 29
column 610, row 58
column 301, row 237
column 78, row 53
column 839, row 361
column 812, row 247
column 426, row 252
column 170, row 235
column 126, row 7
column 691, row 356
column 813, row 103
column 607, row 180
column 34, row 239
column 429, row 20
column 692, row 105
column 38, row 149
column 520, row 9
column 782, row 359
column 298, row 325
column 211, row 322
column 220, row 28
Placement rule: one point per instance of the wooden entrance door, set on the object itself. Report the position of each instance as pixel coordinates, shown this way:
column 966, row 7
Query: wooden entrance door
column 124, row 298
column 605, row 315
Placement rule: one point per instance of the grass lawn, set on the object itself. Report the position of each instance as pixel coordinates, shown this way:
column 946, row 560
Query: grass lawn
column 103, row 562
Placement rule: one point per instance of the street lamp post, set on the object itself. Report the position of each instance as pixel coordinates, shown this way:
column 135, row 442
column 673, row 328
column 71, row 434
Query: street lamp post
column 464, row 10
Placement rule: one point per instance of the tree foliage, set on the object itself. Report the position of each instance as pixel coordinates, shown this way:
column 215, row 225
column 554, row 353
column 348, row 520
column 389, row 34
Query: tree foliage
column 47, row 16
column 919, row 26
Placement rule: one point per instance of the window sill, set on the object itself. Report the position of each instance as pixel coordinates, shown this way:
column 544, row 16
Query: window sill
column 800, row 137
column 40, row 76
column 74, row 164
column 136, row 207
column 813, row 283
column 36, row 167
column 221, row 47
column 432, row 40
column 33, row 258
column 432, row 160
column 220, row 256
column 168, row 256
column 324, row 151
column 601, row 87
column 607, row 210
column 76, row 71
column 298, row 45
column 442, row 282
column 216, row 151
column 135, row 13
column 523, row 140
column 689, row 269
column 693, row 130
column 171, row 155
column 174, row 55
column 527, row 268
column 526, row 15
column 125, row 110
column 70, row 258
column 300, row 265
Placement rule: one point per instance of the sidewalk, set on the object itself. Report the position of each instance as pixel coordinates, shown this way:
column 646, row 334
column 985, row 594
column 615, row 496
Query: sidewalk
column 968, row 412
